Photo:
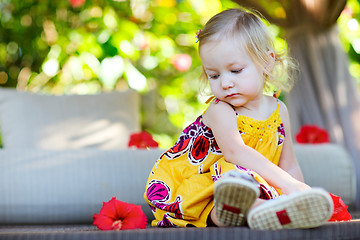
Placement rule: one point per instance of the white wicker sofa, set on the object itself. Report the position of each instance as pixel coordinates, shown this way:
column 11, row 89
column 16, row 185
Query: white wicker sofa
column 63, row 156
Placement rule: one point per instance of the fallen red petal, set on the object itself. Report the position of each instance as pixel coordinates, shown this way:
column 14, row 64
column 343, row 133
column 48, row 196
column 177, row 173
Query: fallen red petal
column 103, row 222
column 108, row 209
column 135, row 219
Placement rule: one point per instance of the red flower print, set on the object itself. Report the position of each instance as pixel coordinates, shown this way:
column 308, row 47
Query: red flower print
column 118, row 215
column 312, row 134
column 178, row 149
column 142, row 140
column 197, row 140
column 200, row 147
column 340, row 210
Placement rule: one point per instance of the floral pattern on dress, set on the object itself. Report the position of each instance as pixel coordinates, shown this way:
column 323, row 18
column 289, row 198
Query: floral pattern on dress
column 280, row 134
column 217, row 172
column 165, row 222
column 266, row 192
column 195, row 145
column 197, row 140
column 158, row 192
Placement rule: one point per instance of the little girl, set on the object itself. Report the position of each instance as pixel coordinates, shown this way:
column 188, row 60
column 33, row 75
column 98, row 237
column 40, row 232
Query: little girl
column 231, row 165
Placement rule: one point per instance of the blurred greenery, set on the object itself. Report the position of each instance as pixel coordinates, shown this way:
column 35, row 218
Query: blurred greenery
column 85, row 47
column 349, row 30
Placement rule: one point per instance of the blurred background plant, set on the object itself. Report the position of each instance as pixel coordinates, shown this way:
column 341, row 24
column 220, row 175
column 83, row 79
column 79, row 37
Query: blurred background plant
column 349, row 26
column 85, row 47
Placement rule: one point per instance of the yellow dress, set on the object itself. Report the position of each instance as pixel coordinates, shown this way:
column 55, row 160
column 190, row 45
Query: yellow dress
column 180, row 186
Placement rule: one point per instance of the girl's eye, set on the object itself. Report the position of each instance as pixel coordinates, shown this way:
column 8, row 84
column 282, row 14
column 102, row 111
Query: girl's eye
column 214, row 76
column 236, row 71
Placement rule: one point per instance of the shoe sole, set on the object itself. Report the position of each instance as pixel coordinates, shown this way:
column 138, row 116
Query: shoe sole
column 307, row 209
column 234, row 197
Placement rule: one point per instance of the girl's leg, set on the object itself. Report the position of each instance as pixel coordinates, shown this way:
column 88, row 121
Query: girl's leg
column 257, row 203
column 214, row 220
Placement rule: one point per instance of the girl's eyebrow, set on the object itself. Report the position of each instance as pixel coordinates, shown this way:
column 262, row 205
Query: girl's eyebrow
column 210, row 69
column 228, row 66
column 232, row 64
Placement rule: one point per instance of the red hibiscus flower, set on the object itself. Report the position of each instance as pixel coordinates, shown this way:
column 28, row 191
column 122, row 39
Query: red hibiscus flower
column 118, row 215
column 312, row 134
column 142, row 140
column 340, row 210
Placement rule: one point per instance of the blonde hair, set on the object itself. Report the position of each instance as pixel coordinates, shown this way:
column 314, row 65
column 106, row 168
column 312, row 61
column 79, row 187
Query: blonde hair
column 247, row 28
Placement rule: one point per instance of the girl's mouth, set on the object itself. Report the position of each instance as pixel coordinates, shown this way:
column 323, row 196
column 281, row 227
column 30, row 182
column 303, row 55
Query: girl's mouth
column 231, row 95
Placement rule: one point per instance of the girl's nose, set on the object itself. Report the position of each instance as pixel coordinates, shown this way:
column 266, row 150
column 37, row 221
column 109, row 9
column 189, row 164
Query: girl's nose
column 226, row 83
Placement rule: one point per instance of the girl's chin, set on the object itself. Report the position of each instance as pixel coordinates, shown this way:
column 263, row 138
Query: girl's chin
column 234, row 102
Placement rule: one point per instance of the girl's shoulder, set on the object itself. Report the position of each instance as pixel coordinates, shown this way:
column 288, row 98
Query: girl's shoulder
column 284, row 113
column 279, row 106
column 218, row 111
column 276, row 103
column 281, row 109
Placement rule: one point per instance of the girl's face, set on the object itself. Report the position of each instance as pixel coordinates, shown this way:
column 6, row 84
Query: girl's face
column 233, row 76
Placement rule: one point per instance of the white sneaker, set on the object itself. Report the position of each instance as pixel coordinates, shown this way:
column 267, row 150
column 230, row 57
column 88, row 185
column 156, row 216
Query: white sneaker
column 234, row 194
column 306, row 209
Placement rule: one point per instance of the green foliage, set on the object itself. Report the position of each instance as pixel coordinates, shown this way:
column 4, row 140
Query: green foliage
column 349, row 26
column 54, row 47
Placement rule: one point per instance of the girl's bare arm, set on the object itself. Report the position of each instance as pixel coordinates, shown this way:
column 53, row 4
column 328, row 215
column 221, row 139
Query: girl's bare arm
column 288, row 160
column 221, row 119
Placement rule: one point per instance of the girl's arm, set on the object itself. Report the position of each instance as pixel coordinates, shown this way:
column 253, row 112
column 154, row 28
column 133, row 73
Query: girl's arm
column 288, row 160
column 220, row 117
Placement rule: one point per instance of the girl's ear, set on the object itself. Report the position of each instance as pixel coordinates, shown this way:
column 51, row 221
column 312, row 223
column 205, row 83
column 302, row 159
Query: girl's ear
column 270, row 64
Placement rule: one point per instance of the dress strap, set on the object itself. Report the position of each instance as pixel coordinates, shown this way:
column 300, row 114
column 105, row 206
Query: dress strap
column 276, row 94
column 216, row 100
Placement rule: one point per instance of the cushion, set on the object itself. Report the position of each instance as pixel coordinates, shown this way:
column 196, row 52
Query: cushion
column 328, row 166
column 69, row 186
column 103, row 121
